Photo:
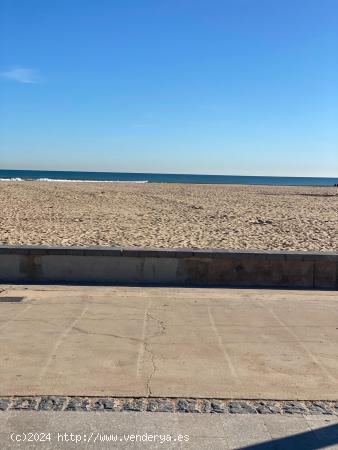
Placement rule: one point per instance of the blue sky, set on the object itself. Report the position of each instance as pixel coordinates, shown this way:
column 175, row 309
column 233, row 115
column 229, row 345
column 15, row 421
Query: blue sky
column 186, row 86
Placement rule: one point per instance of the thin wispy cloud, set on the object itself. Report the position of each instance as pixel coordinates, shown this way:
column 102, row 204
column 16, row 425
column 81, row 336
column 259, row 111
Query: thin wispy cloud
column 22, row 75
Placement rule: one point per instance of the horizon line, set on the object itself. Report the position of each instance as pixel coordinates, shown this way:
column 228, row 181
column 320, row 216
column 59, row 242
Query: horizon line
column 168, row 173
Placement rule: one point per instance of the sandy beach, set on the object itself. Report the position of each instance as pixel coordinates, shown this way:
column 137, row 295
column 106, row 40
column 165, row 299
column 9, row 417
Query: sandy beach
column 169, row 215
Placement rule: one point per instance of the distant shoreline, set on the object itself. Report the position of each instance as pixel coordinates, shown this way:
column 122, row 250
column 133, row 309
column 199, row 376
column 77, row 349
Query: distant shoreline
column 141, row 178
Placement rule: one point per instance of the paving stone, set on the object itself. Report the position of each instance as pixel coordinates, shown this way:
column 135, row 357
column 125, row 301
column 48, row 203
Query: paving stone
column 52, row 403
column 26, row 403
column 218, row 407
column 241, row 408
column 206, row 406
column 294, row 408
column 318, row 408
column 160, row 405
column 134, row 405
column 77, row 404
column 4, row 404
column 186, row 406
column 105, row 404
column 267, row 408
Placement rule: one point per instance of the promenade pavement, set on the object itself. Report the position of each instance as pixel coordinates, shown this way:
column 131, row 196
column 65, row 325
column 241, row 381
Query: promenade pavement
column 168, row 342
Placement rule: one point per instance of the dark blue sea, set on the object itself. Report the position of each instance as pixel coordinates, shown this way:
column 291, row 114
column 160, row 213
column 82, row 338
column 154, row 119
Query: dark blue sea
column 46, row 175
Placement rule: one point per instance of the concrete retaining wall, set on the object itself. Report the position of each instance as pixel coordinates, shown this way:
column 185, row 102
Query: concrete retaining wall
column 34, row 264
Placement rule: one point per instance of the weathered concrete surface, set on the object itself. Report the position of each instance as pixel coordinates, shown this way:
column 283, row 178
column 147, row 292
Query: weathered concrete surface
column 169, row 342
column 188, row 267
column 195, row 431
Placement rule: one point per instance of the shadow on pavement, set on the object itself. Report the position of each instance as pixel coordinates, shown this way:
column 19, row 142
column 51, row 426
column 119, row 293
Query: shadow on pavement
column 309, row 440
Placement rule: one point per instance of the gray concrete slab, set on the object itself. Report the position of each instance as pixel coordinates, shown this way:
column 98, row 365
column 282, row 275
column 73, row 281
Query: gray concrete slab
column 169, row 342
column 187, row 431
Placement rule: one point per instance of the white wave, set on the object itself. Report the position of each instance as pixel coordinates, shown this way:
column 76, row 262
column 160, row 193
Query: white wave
column 11, row 179
column 90, row 181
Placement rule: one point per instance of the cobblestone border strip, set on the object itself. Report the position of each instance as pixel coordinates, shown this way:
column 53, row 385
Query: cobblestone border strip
column 179, row 405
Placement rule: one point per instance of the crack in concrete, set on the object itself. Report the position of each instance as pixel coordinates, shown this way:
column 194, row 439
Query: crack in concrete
column 160, row 332
column 161, row 325
column 106, row 334
column 154, row 368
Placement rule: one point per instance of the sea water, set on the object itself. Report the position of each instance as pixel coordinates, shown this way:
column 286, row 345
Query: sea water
column 46, row 175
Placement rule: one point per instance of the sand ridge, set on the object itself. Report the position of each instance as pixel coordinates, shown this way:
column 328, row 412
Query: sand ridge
column 169, row 215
